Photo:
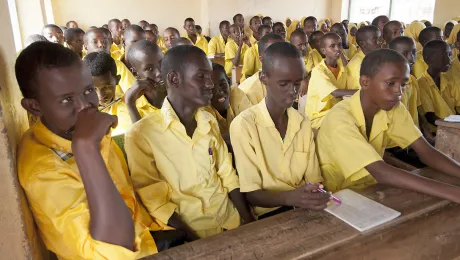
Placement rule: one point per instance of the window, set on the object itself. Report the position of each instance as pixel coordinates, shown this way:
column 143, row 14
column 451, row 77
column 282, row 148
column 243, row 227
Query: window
column 15, row 24
column 401, row 10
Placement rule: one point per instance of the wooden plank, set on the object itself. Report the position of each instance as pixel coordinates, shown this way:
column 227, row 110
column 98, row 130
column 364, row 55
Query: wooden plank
column 448, row 139
column 447, row 124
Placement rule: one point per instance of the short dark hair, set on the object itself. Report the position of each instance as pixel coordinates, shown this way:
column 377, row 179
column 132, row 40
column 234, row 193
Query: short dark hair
column 376, row 20
column 361, row 34
column 198, row 27
column 253, row 18
column 314, row 35
column 38, row 56
column 173, row 29
column 299, row 33
column 104, row 31
column 178, row 58
column 266, row 18
column 278, row 24
column 340, row 25
column 180, row 41
column 132, row 29
column 144, row 46
column 425, row 34
column 401, row 40
column 374, row 60
column 111, row 22
column 236, row 15
column 99, row 63
column 221, row 24
column 387, row 25
column 278, row 49
column 67, row 24
column 264, row 40
column 329, row 35
column 50, row 26
column 221, row 69
column 71, row 33
column 263, row 27
column 432, row 47
column 34, row 38
column 189, row 20
column 310, row 18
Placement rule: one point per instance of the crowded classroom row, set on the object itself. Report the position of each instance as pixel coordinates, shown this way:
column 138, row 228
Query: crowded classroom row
column 139, row 142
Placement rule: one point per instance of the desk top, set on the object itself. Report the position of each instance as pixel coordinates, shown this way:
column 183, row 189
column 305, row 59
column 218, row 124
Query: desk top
column 308, row 234
column 447, row 124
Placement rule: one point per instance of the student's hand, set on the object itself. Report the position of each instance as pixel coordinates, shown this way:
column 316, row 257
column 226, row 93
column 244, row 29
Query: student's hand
column 137, row 90
column 308, row 197
column 92, row 126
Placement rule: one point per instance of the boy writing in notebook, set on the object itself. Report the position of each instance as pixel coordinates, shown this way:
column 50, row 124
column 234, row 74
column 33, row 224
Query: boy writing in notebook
column 426, row 35
column 235, row 49
column 273, row 144
column 77, row 183
column 169, row 35
column 198, row 40
column 179, row 163
column 251, row 61
column 217, row 43
column 355, row 133
column 328, row 81
column 74, row 39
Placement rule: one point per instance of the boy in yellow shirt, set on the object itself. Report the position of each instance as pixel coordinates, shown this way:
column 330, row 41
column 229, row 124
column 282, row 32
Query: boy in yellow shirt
column 74, row 39
column 267, row 20
column 391, row 30
column 328, row 81
column 273, row 144
column 252, row 86
column 144, row 25
column 426, row 35
column 169, row 35
column 440, row 96
column 197, row 40
column 380, row 22
column 310, row 25
column 368, row 39
column 116, row 29
column 235, row 49
column 179, row 163
column 114, row 51
column 238, row 19
column 53, row 34
column 160, row 40
column 125, row 23
column 280, row 29
column 348, row 50
column 315, row 43
column 74, row 180
column 131, row 35
column 300, row 41
column 254, row 24
column 356, row 132
column 217, row 43
column 251, row 61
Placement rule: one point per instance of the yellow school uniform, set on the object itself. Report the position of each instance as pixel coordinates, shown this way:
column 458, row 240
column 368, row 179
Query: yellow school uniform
column 316, row 57
column 116, row 52
column 344, row 149
column 353, row 69
column 453, row 35
column 352, row 39
column 172, row 172
column 413, row 30
column 120, row 110
column 308, row 62
column 352, row 50
column 441, row 101
column 161, row 44
column 127, row 79
column 291, row 29
column 265, row 161
column 411, row 99
column 254, row 89
column 319, row 97
column 252, row 40
column 201, row 42
column 230, row 52
column 144, row 107
column 420, row 65
column 247, row 31
column 51, row 180
column 216, row 45
column 251, row 62
column 454, row 71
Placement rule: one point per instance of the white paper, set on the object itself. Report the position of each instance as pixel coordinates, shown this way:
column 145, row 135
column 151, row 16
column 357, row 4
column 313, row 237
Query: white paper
column 360, row 212
column 453, row 118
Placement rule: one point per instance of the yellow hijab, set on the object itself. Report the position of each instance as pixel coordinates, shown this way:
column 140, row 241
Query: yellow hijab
column 453, row 35
column 413, row 30
column 291, row 29
column 302, row 21
column 351, row 39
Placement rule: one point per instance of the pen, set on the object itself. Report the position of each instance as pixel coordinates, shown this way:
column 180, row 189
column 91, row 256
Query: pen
column 335, row 199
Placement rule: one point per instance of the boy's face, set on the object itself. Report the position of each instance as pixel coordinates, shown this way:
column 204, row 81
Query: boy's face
column 340, row 31
column 269, row 22
column 151, row 37
column 76, row 44
column 133, row 38
column 332, row 48
column 169, row 36
column 221, row 92
column 316, row 42
column 239, row 20
column 301, row 44
column 190, row 27
column 409, row 51
column 97, row 42
column 436, row 35
column 225, row 30
column 372, row 41
column 125, row 24
column 386, row 87
column 280, row 30
column 117, row 30
column 256, row 22
column 284, row 80
column 394, row 30
column 63, row 92
column 382, row 23
column 288, row 22
column 105, row 87
column 309, row 27
column 441, row 59
column 353, row 31
column 144, row 25
column 235, row 33
column 265, row 31
column 324, row 27
column 72, row 25
column 54, row 35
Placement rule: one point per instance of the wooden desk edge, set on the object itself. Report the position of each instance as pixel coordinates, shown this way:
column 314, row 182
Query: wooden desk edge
column 441, row 122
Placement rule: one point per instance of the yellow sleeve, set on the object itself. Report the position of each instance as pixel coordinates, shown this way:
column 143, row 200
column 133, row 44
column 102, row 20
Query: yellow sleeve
column 425, row 96
column 420, row 66
column 402, row 130
column 353, row 69
column 230, row 53
column 238, row 100
column 212, row 47
column 309, row 64
column 205, row 46
column 127, row 79
column 353, row 50
column 153, row 191
column 319, row 93
column 224, row 167
column 249, row 63
column 313, row 172
column 61, row 210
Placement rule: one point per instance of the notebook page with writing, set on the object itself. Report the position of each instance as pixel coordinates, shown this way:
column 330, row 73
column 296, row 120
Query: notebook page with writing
column 360, row 212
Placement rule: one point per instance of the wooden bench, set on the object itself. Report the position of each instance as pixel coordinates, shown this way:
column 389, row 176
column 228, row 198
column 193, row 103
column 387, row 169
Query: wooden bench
column 448, row 139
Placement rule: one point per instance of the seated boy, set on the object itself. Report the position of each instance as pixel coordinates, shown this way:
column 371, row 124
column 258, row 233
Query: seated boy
column 368, row 39
column 125, row 23
column 328, row 81
column 74, row 39
column 115, row 52
column 179, row 163
column 160, row 41
column 217, row 43
column 273, row 144
column 169, row 35
column 254, row 24
column 251, row 62
column 71, row 24
column 53, row 34
column 440, row 96
column 356, row 132
column 310, row 25
column 151, row 36
column 315, row 43
column 77, row 183
column 391, row 30
column 235, row 49
column 197, row 40
column 380, row 22
column 116, row 29
column 280, row 29
column 267, row 20
column 300, row 40
column 426, row 35
column 252, row 86
column 181, row 41
column 131, row 35
column 238, row 19
column 349, row 50
column 144, row 25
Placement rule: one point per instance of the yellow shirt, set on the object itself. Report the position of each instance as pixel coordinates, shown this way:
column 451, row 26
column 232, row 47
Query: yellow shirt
column 173, row 172
column 201, row 42
column 316, row 57
column 116, row 52
column 161, row 44
column 144, row 107
column 120, row 110
column 454, row 71
column 264, row 160
column 50, row 177
column 441, row 101
column 353, row 69
column 254, row 89
column 319, row 97
column 309, row 63
column 420, row 65
column 251, row 62
column 352, row 51
column 411, row 98
column 127, row 79
column 344, row 149
column 230, row 52
column 216, row 45
column 252, row 40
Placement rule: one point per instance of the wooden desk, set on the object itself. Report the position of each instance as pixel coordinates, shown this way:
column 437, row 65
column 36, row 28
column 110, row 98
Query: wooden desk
column 219, row 60
column 428, row 228
column 448, row 139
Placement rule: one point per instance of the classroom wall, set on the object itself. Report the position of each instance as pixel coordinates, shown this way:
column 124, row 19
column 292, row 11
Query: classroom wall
column 445, row 10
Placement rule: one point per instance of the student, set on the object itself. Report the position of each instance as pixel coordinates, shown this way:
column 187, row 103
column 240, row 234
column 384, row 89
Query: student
column 413, row 30
column 440, row 96
column 280, row 29
column 115, row 52
column 453, row 39
column 380, row 22
column 131, row 35
column 426, row 35
column 346, row 23
column 34, row 38
column 63, row 29
column 234, row 49
column 181, row 41
column 267, row 20
column 151, row 36
column 238, row 19
column 454, row 71
column 71, row 24
column 252, row 86
column 74, row 40
column 352, row 29
column 391, row 30
column 251, row 61
column 448, row 28
column 196, row 39
column 290, row 29
column 169, row 35
column 356, row 132
column 300, row 41
column 348, row 50
column 368, row 39
column 217, row 43
column 328, row 81
column 427, row 23
column 254, row 24
column 116, row 29
column 315, row 43
column 125, row 23
column 53, row 34
column 199, row 30
column 310, row 24
column 144, row 24
column 73, row 181
column 273, row 144
column 160, row 41
column 323, row 26
column 197, row 189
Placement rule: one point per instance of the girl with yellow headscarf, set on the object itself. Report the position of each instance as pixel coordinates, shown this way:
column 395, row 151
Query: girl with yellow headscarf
column 291, row 29
column 413, row 30
column 352, row 28
column 453, row 40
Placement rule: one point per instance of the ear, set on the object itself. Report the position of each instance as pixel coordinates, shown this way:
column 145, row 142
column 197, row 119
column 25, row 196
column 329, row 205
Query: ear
column 173, row 79
column 263, row 77
column 364, row 81
column 32, row 106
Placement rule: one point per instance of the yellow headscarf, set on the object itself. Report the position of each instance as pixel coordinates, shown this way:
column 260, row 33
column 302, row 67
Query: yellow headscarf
column 453, row 35
column 351, row 39
column 451, row 21
column 302, row 21
column 361, row 24
column 456, row 18
column 291, row 29
column 413, row 30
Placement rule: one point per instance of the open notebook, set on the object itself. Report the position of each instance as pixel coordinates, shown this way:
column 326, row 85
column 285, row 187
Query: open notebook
column 360, row 212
